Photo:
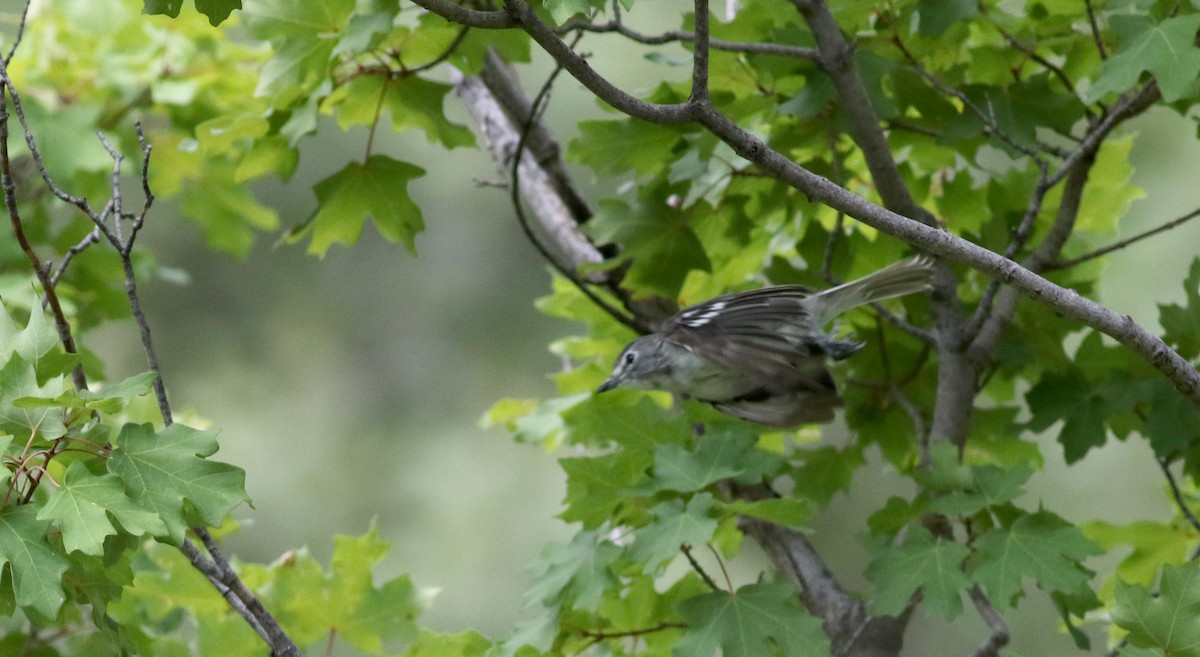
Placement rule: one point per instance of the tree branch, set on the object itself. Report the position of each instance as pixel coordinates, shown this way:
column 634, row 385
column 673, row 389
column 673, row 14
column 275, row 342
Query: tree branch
column 845, row 617
column 1067, row 302
column 1115, row 246
column 837, row 60
column 121, row 229
column 999, row 631
column 795, row 557
column 41, row 270
column 488, row 20
column 583, row 72
column 671, row 36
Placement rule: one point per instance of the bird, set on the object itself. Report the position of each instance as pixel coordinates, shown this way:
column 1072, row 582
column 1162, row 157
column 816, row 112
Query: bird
column 761, row 355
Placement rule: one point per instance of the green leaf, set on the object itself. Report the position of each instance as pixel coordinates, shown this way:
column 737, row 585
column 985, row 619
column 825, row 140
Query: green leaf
column 37, row 568
column 1172, row 421
column 82, row 505
column 345, row 600
column 1110, row 190
column 168, row 473
column 674, row 525
column 1181, row 324
column 624, row 417
column 790, row 512
column 376, row 190
column 826, row 471
column 109, row 399
column 598, row 486
column 1039, row 545
column 1167, row 50
column 938, row 15
column 717, row 456
column 1071, row 398
column 618, row 147
column 304, row 33
column 1153, row 544
column 38, row 344
column 659, row 239
column 413, row 102
column 989, row 486
column 932, row 565
column 562, row 10
column 463, row 644
column 229, row 214
column 216, row 10
column 18, row 381
column 759, row 619
column 1169, row 621
column 575, row 575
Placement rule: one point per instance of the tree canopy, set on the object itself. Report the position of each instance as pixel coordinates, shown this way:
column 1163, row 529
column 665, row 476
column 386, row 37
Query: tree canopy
column 748, row 143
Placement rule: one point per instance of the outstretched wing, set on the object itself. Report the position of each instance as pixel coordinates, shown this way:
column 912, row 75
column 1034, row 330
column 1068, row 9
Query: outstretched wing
column 763, row 334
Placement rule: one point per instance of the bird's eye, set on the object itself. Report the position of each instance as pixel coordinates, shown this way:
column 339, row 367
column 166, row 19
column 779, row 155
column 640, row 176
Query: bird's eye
column 629, row 358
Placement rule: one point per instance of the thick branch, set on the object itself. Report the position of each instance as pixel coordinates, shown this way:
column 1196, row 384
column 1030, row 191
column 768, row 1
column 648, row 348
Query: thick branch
column 558, row 219
column 837, row 59
column 488, row 20
column 508, row 95
column 1047, row 252
column 851, row 629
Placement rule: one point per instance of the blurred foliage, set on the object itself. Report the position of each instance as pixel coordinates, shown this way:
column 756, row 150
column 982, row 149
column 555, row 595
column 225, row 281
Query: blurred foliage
column 226, row 97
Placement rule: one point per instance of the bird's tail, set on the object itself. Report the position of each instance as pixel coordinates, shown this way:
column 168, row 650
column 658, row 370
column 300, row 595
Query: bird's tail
column 895, row 280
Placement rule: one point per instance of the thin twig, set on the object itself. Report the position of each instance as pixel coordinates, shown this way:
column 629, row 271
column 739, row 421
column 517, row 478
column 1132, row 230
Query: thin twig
column 699, row 94
column 90, row 239
column 687, row 552
column 1178, row 495
column 999, row 631
column 40, row 269
column 518, row 207
column 1096, row 253
column 616, row 26
column 721, row 563
column 1032, row 54
column 20, row 32
column 1095, row 25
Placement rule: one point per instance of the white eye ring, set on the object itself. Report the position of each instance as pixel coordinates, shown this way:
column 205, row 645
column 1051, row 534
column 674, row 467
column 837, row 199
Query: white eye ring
column 629, row 358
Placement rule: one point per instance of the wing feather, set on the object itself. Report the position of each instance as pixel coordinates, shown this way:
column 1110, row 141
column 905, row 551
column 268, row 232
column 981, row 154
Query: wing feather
column 761, row 334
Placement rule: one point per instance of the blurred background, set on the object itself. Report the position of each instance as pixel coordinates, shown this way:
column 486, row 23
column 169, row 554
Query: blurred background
column 350, row 388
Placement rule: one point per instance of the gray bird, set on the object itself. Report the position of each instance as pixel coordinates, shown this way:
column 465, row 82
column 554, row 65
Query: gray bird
column 761, row 355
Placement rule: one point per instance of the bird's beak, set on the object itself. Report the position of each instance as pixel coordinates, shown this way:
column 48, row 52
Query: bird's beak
column 609, row 384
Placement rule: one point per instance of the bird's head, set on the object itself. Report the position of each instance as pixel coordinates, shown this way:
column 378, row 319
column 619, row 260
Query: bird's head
column 645, row 363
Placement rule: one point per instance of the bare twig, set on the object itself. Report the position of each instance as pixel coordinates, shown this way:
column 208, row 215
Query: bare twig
column 687, row 552
column 1055, row 70
column 1184, row 509
column 110, row 223
column 40, row 269
column 672, row 36
column 515, row 197
column 90, row 239
column 1102, row 251
column 20, row 33
column 1095, row 25
column 999, row 631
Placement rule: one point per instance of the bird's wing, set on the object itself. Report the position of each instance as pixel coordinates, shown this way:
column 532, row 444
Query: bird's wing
column 757, row 333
